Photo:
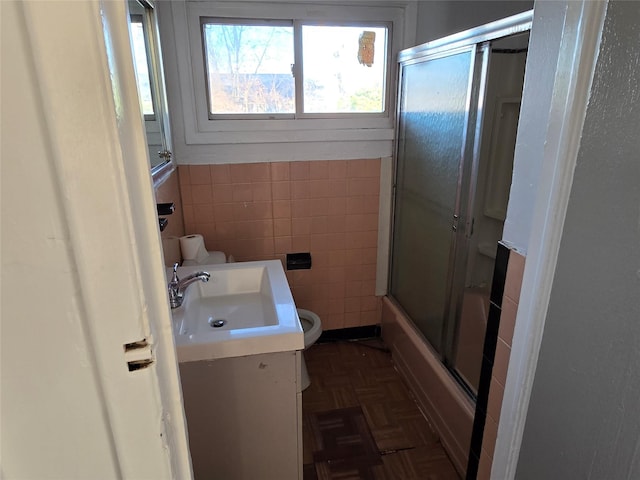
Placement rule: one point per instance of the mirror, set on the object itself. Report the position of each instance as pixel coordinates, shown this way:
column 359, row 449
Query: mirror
column 147, row 59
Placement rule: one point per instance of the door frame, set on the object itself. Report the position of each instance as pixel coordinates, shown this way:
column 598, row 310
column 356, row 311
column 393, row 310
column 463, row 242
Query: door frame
column 579, row 34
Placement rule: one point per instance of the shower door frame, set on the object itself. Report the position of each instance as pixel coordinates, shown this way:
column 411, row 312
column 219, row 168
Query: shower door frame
column 479, row 41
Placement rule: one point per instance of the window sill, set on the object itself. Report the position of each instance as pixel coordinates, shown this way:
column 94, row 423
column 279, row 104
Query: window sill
column 251, row 136
column 281, row 152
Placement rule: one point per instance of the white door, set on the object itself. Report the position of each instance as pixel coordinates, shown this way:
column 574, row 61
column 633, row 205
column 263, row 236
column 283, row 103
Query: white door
column 90, row 385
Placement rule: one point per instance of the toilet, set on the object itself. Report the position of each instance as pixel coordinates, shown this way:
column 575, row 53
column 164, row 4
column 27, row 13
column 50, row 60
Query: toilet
column 312, row 328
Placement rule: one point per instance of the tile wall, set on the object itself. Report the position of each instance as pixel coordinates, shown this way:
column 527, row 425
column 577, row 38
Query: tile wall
column 258, row 211
column 507, row 320
column 169, row 192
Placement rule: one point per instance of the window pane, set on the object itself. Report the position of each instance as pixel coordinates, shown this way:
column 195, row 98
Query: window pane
column 334, row 79
column 141, row 65
column 249, row 68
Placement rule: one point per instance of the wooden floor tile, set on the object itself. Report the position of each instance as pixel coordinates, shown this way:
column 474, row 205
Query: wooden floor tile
column 422, row 463
column 398, row 425
column 342, row 444
column 350, row 374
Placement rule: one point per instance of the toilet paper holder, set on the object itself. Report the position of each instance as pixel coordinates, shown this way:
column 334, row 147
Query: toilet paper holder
column 299, row 261
column 165, row 208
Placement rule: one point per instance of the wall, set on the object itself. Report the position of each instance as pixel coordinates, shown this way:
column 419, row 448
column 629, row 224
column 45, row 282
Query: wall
column 546, row 35
column 235, row 235
column 169, row 192
column 589, row 358
column 328, row 206
column 495, row 165
column 440, row 18
column 257, row 211
column 81, row 265
column 505, row 296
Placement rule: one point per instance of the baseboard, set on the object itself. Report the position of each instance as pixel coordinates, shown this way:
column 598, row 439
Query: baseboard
column 353, row 333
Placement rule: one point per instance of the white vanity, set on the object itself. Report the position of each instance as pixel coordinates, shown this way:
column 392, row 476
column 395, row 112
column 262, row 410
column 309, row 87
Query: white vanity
column 239, row 345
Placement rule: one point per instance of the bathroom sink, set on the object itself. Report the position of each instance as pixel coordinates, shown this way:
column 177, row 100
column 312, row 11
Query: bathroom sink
column 245, row 308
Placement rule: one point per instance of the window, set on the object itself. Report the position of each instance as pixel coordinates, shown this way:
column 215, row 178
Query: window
column 340, row 75
column 292, row 69
column 248, row 67
column 141, row 64
column 286, row 79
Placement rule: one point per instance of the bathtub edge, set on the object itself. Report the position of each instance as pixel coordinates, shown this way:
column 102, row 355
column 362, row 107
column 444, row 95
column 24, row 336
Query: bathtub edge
column 447, row 408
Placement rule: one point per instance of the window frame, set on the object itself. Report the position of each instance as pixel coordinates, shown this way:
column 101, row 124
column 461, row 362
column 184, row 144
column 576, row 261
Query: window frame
column 354, row 133
column 242, row 21
column 297, row 68
column 140, row 18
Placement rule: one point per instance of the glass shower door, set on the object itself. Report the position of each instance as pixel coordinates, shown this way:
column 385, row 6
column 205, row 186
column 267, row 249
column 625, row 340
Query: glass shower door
column 433, row 116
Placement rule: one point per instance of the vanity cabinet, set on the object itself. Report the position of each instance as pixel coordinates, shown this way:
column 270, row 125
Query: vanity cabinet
column 244, row 416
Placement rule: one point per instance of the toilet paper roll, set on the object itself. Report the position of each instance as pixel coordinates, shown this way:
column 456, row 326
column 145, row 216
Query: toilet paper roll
column 193, row 248
column 171, row 250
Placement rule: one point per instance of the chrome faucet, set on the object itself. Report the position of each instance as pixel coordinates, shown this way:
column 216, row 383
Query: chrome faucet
column 177, row 286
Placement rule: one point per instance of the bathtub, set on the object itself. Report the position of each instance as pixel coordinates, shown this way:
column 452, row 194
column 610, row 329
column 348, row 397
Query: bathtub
column 447, row 407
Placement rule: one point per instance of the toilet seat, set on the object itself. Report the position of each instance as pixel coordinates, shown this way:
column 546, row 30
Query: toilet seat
column 312, row 328
column 311, row 325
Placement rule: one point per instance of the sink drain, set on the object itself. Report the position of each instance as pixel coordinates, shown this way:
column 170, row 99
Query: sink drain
column 217, row 323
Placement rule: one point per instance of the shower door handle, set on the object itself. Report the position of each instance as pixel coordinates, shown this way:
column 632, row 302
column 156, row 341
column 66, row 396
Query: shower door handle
column 454, row 226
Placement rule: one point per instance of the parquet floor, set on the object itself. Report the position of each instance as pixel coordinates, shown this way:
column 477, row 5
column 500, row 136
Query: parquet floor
column 361, row 374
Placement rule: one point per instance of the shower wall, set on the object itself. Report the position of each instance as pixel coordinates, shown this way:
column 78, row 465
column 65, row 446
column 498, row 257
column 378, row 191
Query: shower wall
column 495, row 166
column 501, row 109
